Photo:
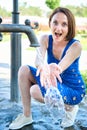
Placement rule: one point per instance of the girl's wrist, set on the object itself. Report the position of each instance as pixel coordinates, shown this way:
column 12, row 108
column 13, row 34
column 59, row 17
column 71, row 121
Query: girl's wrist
column 60, row 69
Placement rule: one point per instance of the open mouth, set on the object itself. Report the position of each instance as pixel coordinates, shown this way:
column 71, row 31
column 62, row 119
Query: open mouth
column 58, row 34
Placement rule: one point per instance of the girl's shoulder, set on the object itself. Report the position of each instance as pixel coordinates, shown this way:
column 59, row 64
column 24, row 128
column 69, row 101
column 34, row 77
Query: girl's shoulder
column 44, row 39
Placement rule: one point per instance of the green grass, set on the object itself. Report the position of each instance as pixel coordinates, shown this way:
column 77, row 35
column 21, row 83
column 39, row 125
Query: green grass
column 5, row 37
column 31, row 48
column 83, row 41
column 84, row 75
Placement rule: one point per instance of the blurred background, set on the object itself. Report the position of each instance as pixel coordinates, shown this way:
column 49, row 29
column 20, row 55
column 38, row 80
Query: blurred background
column 40, row 11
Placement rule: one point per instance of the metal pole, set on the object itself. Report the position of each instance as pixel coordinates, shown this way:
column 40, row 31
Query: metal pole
column 15, row 55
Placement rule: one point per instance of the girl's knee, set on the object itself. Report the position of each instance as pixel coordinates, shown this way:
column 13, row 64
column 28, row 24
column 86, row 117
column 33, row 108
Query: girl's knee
column 23, row 71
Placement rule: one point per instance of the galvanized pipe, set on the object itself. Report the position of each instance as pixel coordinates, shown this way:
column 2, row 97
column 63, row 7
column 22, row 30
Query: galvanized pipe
column 15, row 28
column 16, row 52
column 21, row 28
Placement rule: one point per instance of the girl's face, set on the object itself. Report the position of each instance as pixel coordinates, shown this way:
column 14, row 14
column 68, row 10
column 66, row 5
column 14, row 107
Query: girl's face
column 59, row 27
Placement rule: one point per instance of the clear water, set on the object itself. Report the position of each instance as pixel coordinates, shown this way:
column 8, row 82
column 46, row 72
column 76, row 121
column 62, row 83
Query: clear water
column 54, row 103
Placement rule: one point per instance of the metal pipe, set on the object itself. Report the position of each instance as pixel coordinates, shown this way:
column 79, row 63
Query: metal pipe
column 15, row 28
column 16, row 52
column 21, row 28
column 15, row 13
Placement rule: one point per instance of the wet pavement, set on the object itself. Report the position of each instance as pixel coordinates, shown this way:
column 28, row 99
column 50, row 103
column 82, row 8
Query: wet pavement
column 41, row 116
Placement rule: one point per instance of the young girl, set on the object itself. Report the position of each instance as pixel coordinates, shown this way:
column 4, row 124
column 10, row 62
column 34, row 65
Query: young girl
column 63, row 53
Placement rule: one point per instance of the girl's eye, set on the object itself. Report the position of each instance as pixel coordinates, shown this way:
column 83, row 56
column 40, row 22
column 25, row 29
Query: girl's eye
column 55, row 22
column 64, row 24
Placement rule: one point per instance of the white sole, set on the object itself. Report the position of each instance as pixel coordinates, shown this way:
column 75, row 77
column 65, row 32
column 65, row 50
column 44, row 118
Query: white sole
column 21, row 126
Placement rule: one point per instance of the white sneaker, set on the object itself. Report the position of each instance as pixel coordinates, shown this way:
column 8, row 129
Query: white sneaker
column 21, row 121
column 69, row 117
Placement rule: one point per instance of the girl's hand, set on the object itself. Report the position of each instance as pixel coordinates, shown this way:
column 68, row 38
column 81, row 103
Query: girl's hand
column 55, row 72
column 48, row 74
column 44, row 71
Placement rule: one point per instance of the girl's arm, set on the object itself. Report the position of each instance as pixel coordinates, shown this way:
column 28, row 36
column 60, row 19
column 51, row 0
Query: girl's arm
column 41, row 51
column 71, row 55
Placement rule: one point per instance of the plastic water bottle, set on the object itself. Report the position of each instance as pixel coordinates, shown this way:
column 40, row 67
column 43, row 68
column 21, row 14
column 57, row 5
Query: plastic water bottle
column 54, row 103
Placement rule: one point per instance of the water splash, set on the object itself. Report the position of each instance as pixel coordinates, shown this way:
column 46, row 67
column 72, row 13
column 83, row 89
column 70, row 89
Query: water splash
column 54, row 103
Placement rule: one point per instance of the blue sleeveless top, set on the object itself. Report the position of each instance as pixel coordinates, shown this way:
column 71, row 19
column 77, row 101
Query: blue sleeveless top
column 72, row 88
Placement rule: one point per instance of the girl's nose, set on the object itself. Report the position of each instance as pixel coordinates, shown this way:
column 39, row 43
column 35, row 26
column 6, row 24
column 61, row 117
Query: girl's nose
column 59, row 27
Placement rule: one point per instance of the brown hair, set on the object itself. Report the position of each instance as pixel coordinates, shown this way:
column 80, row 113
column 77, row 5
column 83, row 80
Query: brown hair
column 71, row 21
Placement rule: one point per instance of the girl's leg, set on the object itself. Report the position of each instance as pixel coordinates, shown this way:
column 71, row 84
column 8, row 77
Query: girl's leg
column 70, row 115
column 36, row 93
column 25, row 81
